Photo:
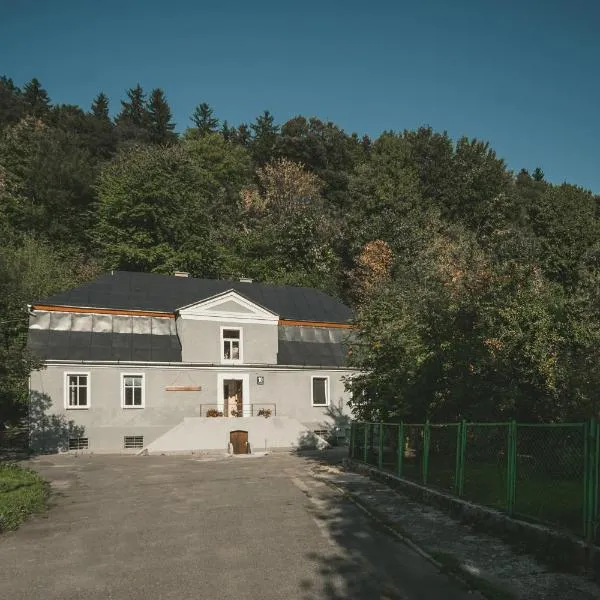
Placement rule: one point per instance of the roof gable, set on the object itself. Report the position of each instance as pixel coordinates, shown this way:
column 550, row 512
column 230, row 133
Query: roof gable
column 230, row 306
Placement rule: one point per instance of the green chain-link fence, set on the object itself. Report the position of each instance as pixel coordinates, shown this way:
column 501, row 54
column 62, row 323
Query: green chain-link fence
column 550, row 467
column 484, row 478
column 543, row 472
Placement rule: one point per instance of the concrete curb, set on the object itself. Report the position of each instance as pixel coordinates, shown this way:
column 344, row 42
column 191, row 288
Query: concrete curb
column 414, row 547
column 555, row 548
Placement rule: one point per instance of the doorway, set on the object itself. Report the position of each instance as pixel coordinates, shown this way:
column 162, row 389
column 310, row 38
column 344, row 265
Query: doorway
column 233, row 394
column 239, row 441
column 233, row 397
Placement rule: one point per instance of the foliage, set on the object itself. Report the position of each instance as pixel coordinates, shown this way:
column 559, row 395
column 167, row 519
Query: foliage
column 29, row 270
column 160, row 127
column 475, row 289
column 157, row 205
column 264, row 412
column 133, row 120
column 288, row 235
column 265, row 137
column 213, row 412
column 22, row 492
column 51, row 177
column 205, row 121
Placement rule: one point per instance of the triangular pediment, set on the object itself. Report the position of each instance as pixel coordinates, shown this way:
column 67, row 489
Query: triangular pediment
column 232, row 306
column 229, row 306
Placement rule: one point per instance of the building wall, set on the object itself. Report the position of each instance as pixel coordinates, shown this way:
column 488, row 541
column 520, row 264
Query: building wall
column 201, row 341
column 105, row 422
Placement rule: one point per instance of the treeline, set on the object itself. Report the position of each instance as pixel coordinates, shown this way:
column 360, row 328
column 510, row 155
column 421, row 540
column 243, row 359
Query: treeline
column 476, row 289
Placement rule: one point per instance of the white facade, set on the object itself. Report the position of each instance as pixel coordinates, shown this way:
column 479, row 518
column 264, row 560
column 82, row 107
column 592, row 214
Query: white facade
column 229, row 366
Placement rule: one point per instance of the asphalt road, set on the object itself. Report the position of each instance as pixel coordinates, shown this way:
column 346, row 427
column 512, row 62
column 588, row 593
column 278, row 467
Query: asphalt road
column 160, row 527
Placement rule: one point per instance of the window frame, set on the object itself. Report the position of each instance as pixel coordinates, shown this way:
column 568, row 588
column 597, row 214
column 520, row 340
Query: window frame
column 231, row 361
column 327, row 391
column 133, row 442
column 67, row 389
column 78, row 444
column 133, row 406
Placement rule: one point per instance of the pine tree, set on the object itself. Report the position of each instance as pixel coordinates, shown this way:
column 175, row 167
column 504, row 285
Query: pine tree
column 204, row 119
column 134, row 112
column 538, row 174
column 265, row 137
column 227, row 132
column 102, row 137
column 36, row 99
column 242, row 135
column 159, row 118
column 99, row 107
column 11, row 102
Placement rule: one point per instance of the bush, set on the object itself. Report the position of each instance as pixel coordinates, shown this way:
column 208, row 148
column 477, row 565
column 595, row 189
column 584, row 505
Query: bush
column 264, row 412
column 213, row 412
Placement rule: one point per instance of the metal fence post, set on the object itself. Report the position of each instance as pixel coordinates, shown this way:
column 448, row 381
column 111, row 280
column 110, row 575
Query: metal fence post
column 400, row 448
column 461, row 441
column 366, row 447
column 380, row 449
column 586, row 479
column 590, row 480
column 596, row 473
column 426, row 438
column 596, row 478
column 511, row 467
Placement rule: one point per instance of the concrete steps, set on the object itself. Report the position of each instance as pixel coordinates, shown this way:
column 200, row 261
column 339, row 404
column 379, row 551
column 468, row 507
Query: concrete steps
column 211, row 435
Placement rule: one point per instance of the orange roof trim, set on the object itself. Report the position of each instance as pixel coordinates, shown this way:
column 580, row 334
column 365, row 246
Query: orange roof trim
column 316, row 324
column 103, row 311
column 167, row 315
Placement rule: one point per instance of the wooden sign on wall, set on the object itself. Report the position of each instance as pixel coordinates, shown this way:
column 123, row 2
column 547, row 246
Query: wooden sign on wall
column 183, row 388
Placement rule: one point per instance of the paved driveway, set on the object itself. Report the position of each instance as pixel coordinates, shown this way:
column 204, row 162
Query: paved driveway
column 160, row 527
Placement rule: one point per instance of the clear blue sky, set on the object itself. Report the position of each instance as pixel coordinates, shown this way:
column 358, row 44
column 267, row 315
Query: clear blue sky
column 523, row 75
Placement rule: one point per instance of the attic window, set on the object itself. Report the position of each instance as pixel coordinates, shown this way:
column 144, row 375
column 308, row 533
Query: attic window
column 231, row 343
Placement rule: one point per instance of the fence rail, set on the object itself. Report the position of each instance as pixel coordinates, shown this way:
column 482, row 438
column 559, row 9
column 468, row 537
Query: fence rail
column 254, row 409
column 548, row 473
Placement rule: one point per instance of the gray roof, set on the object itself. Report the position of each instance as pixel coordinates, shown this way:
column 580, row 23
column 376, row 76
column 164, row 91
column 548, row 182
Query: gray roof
column 311, row 354
column 165, row 293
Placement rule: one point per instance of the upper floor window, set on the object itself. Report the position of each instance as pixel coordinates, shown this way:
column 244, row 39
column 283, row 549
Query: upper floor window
column 231, row 344
column 77, row 390
column 320, row 391
column 132, row 391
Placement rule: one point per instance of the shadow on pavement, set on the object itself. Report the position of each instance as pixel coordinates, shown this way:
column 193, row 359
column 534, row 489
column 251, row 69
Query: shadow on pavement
column 363, row 562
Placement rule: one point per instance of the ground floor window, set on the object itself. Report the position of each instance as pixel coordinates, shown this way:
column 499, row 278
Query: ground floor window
column 320, row 391
column 78, row 443
column 77, row 390
column 132, row 390
column 134, row 441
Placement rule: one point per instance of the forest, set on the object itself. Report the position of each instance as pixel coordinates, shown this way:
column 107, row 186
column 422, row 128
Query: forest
column 476, row 289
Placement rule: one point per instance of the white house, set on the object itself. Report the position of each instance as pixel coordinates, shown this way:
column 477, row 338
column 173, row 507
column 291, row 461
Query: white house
column 172, row 363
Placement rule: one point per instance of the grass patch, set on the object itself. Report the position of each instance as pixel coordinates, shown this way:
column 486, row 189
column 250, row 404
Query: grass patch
column 22, row 492
column 453, row 566
column 553, row 500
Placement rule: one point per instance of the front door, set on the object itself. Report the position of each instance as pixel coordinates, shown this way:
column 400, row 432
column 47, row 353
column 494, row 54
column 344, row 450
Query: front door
column 239, row 441
column 233, row 400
